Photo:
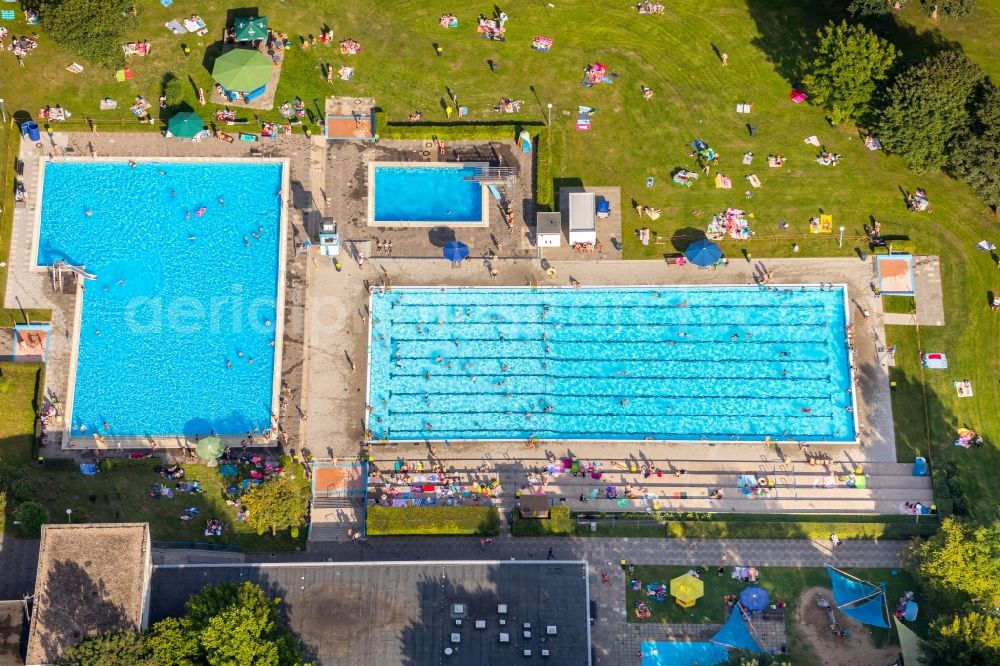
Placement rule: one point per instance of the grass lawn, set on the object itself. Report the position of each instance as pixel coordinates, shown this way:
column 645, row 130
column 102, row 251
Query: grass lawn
column 899, row 304
column 120, row 494
column 781, row 583
column 768, row 44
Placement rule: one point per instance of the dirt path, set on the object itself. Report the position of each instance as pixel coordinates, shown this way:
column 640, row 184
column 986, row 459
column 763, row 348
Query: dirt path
column 857, row 649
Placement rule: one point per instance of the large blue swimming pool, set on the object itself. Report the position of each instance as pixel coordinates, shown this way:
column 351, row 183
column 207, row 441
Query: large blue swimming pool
column 687, row 363
column 177, row 295
column 427, row 194
column 668, row 653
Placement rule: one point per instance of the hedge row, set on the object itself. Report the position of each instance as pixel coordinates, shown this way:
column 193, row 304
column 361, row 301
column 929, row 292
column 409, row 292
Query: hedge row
column 385, row 521
column 800, row 530
column 559, row 523
column 760, row 526
column 457, row 131
column 544, row 178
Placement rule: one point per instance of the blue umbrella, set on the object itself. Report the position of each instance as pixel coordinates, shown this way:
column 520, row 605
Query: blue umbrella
column 703, row 253
column 755, row 598
column 456, row 251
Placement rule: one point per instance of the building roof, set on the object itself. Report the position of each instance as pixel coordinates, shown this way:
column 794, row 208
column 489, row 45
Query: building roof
column 11, row 625
column 548, row 223
column 582, row 211
column 91, row 578
column 406, row 612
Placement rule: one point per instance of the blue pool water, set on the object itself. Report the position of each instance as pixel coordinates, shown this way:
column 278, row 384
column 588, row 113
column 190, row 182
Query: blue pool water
column 427, row 194
column 667, row 653
column 719, row 363
column 167, row 312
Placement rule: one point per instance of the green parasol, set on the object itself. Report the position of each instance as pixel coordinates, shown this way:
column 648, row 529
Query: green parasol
column 242, row 70
column 209, row 448
column 185, row 125
column 249, row 29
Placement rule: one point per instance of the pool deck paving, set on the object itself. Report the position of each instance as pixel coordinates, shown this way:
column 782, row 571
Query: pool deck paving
column 337, row 314
column 34, row 289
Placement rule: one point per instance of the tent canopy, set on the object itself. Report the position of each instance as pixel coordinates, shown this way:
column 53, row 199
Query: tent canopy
column 242, row 70
column 248, row 29
column 185, row 125
column 703, row 253
column 863, row 601
column 755, row 598
column 687, row 588
column 735, row 633
column 908, row 644
column 456, row 251
column 209, row 448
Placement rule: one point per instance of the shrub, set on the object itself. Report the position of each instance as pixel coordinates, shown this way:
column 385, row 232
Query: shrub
column 544, row 183
column 471, row 131
column 31, row 516
column 91, row 29
column 559, row 523
column 383, row 520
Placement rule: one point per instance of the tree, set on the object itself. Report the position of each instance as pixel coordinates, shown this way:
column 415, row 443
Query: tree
column 927, row 107
column 237, row 624
column 850, row 64
column 172, row 642
column 31, row 516
column 277, row 504
column 869, row 7
column 960, row 563
column 963, row 640
column 975, row 153
column 110, row 649
column 948, row 8
column 91, row 29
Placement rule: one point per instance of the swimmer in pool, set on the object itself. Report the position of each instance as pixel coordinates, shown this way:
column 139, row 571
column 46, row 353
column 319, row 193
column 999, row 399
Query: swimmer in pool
column 121, row 283
column 250, row 360
column 229, row 363
column 187, row 215
column 88, row 212
column 191, row 238
column 173, row 193
column 240, row 354
column 222, row 202
column 162, row 172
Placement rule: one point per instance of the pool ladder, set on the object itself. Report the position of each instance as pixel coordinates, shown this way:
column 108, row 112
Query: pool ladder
column 493, row 174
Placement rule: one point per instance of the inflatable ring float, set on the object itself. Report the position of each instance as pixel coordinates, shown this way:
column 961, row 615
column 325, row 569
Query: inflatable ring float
column 428, row 144
column 426, row 153
column 38, row 145
column 357, row 101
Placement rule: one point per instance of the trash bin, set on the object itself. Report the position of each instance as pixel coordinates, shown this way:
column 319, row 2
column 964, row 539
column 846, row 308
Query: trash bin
column 31, row 129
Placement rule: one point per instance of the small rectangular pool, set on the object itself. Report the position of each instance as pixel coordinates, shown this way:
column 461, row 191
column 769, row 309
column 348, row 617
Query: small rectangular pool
column 681, row 653
column 404, row 194
column 723, row 364
column 179, row 330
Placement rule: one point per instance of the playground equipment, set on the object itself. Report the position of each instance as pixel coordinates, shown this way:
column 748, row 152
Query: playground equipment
column 60, row 266
column 835, row 627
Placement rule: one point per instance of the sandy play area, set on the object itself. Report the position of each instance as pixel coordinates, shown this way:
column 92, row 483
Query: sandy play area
column 857, row 649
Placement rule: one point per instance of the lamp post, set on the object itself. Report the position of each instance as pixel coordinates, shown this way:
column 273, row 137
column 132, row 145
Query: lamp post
column 69, row 515
column 840, row 243
column 550, row 113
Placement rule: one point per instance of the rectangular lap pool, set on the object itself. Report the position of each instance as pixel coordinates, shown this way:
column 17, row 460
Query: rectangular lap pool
column 178, row 330
column 404, row 194
column 732, row 363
